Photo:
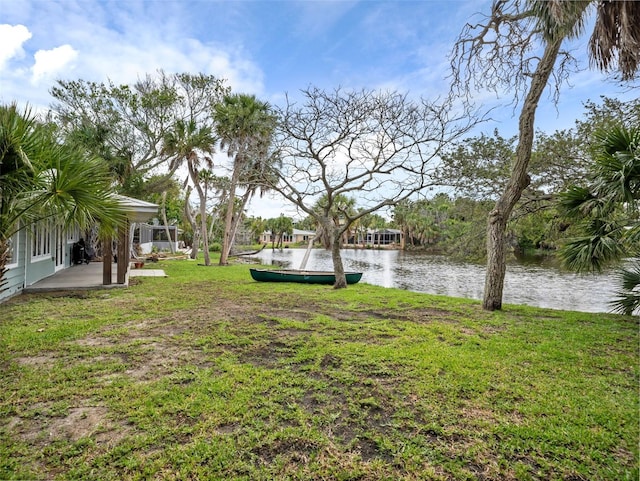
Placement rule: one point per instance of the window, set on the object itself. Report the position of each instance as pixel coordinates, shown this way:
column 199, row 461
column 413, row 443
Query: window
column 12, row 259
column 160, row 234
column 41, row 241
column 73, row 235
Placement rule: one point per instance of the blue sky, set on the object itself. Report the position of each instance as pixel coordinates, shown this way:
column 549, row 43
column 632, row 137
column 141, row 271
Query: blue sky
column 266, row 48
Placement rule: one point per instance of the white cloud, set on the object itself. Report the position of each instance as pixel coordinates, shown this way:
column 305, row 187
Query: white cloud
column 243, row 74
column 106, row 43
column 126, row 56
column 50, row 63
column 11, row 39
column 272, row 205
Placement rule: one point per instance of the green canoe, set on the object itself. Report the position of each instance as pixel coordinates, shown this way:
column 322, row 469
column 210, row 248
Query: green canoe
column 306, row 277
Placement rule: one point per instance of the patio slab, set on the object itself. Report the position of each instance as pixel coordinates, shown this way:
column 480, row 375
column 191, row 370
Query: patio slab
column 87, row 276
column 147, row 273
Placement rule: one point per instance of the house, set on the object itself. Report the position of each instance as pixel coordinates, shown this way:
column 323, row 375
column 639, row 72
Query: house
column 384, row 237
column 146, row 237
column 296, row 237
column 392, row 238
column 39, row 251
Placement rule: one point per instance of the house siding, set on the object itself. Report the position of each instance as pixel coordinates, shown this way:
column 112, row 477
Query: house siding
column 28, row 270
column 298, row 236
column 15, row 275
column 39, row 269
column 39, row 245
column 147, row 236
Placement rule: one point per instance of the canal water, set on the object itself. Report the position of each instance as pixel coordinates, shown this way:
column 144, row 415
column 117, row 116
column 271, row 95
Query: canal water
column 529, row 284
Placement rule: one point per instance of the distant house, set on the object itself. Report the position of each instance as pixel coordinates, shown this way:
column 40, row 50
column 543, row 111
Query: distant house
column 41, row 250
column 296, row 237
column 378, row 237
column 384, row 237
column 147, row 236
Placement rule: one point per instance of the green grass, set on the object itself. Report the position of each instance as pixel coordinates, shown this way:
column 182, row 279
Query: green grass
column 207, row 374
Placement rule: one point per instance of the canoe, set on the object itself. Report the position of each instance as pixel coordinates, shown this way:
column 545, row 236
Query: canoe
column 306, row 277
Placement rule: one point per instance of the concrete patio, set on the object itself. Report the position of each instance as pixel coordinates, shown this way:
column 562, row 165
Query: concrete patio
column 87, row 276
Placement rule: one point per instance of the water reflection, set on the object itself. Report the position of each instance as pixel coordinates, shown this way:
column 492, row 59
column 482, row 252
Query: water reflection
column 532, row 284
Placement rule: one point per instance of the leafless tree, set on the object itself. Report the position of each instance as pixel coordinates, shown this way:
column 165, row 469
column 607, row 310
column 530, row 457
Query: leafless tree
column 378, row 147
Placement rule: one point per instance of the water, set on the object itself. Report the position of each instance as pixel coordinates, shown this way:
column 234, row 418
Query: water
column 530, row 284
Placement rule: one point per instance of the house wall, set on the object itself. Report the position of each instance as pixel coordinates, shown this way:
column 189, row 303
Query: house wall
column 39, row 260
column 25, row 269
column 146, row 247
column 148, row 236
column 15, row 275
column 295, row 238
column 39, row 269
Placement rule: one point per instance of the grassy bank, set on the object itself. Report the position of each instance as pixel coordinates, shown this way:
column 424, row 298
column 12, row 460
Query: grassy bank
column 207, row 374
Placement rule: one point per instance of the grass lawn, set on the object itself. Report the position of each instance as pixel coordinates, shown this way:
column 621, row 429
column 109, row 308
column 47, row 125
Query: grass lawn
column 207, row 374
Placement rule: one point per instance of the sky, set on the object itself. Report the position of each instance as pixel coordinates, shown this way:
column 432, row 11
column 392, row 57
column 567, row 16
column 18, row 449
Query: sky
column 268, row 48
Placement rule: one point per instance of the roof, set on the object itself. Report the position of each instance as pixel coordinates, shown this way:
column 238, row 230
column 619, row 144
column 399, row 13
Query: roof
column 303, row 232
column 137, row 210
column 295, row 232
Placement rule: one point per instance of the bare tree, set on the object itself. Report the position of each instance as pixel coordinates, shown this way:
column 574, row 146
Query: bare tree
column 378, row 147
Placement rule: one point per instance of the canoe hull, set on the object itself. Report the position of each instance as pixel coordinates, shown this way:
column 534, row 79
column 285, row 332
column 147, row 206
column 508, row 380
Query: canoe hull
column 305, row 277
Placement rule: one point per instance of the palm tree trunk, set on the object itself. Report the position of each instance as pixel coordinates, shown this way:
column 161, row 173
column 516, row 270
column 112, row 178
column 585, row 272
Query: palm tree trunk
column 212, row 223
column 203, row 228
column 236, row 219
column 203, row 213
column 4, row 259
column 192, row 222
column 519, row 180
column 163, row 210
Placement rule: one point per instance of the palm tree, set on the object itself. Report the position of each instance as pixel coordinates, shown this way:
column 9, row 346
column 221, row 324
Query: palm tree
column 257, row 227
column 616, row 33
column 280, row 226
column 553, row 21
column 41, row 178
column 260, row 175
column 245, row 126
column 616, row 37
column 609, row 211
column 190, row 143
column 401, row 218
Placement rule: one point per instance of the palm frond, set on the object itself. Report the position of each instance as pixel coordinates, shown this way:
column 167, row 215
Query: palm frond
column 617, row 166
column 616, row 37
column 591, row 253
column 579, row 202
column 628, row 297
column 557, row 18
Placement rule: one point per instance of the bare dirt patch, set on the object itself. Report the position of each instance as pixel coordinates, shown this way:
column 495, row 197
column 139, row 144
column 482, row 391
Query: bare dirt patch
column 80, row 422
column 43, row 359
